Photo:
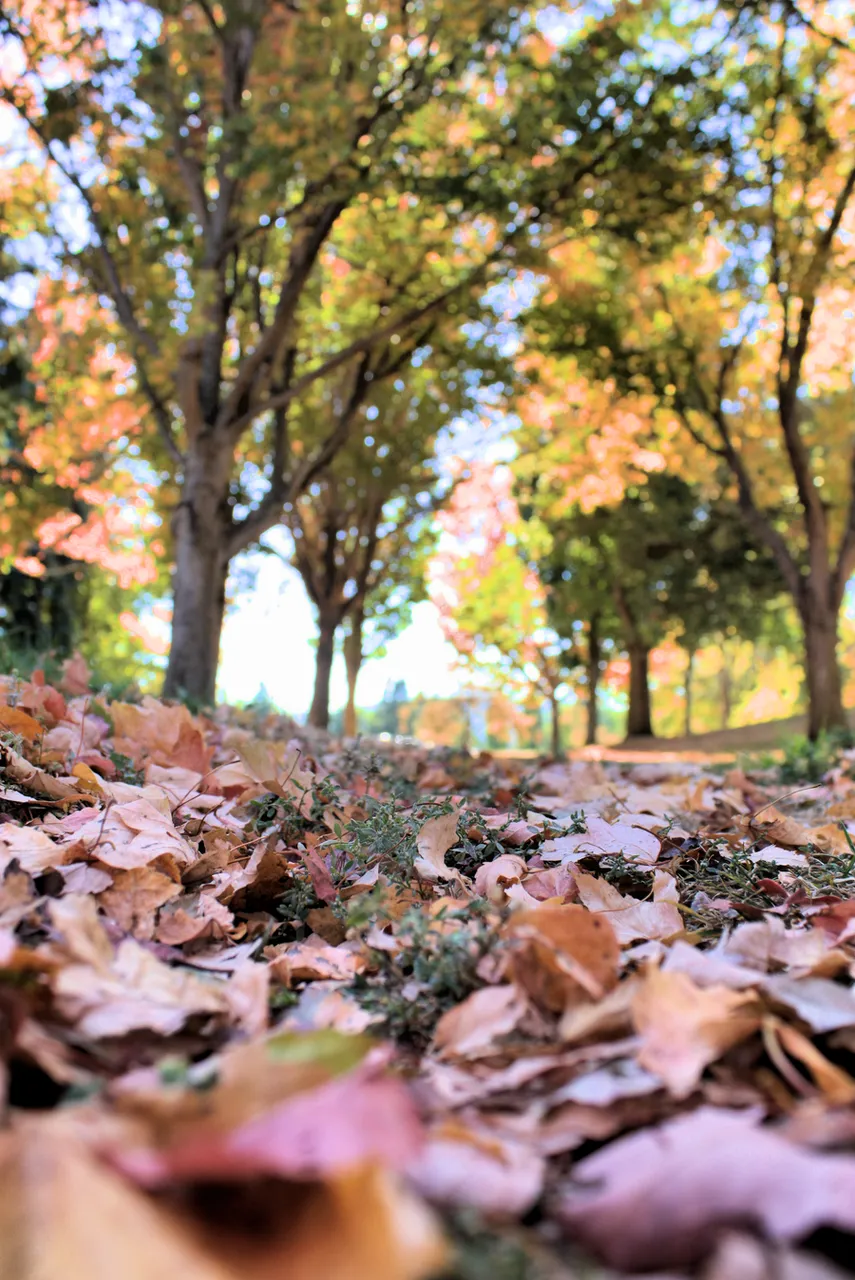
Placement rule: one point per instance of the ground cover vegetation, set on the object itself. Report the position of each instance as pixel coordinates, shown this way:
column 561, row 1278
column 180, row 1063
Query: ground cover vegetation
column 275, row 1008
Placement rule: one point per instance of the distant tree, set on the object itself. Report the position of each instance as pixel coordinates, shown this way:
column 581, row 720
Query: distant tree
column 741, row 336
column 662, row 562
column 491, row 602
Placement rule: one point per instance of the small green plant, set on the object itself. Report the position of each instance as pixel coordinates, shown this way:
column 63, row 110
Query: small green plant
column 286, row 813
column 126, row 770
column 433, row 969
column 578, row 825
column 387, row 836
column 807, row 761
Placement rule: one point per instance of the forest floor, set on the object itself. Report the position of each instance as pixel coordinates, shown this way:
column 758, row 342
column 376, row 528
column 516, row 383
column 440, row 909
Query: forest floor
column 273, row 1008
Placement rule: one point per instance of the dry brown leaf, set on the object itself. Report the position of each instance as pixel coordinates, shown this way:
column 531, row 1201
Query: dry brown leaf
column 684, row 1027
column 474, row 1027
column 314, row 958
column 768, row 944
column 134, row 898
column 169, row 735
column 562, row 955
column 63, row 1216
column 15, row 721
column 630, row 918
column 433, row 842
column 778, row 828
column 834, row 1083
column 493, row 879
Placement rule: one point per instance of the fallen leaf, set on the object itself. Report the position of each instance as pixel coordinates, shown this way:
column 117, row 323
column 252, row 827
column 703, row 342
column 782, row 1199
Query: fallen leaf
column 562, row 955
column 134, row 898
column 684, row 1027
column 359, row 1118
column 659, row 1197
column 16, row 722
column 630, row 918
column 63, row 1216
column 822, row 1004
column 435, row 838
column 479, row 1022
column 462, row 1168
column 492, row 879
column 600, row 838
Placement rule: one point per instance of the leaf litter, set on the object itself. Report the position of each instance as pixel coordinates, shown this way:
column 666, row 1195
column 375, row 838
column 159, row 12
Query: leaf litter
column 272, row 1008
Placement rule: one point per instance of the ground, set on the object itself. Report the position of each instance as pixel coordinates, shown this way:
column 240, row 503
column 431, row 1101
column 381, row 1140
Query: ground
column 271, row 1007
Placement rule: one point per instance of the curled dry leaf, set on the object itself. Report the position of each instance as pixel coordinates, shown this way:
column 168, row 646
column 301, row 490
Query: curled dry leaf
column 493, row 879
column 778, row 828
column 562, row 955
column 433, row 842
column 314, row 958
column 768, row 944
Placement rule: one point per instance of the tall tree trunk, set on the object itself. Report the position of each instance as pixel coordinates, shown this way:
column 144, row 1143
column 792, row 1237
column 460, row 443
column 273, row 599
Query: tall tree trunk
column 352, row 662
column 200, row 530
column 726, row 690
column 319, row 713
column 690, row 672
column 554, row 727
column 638, row 724
column 592, row 676
column 825, row 692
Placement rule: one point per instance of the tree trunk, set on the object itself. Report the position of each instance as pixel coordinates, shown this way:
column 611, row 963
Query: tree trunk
column 199, row 580
column 592, row 676
column 555, row 727
column 825, row 693
column 725, row 689
column 319, row 713
column 352, row 662
column 638, row 723
column 690, row 671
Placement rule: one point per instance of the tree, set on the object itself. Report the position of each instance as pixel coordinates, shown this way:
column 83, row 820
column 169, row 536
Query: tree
column 387, row 607
column 491, row 602
column 220, row 155
column 359, row 532
column 661, row 562
column 743, row 335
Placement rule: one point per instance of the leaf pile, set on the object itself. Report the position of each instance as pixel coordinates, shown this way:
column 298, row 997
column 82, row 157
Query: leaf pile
column 269, row 1008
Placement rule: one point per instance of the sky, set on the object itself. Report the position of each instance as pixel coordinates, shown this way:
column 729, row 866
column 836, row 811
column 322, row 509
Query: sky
column 268, row 636
column 268, row 641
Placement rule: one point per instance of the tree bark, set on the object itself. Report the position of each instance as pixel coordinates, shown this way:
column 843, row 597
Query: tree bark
column 319, row 713
column 725, row 688
column 638, row 723
column 554, row 727
column 200, row 533
column 352, row 662
column 592, row 676
column 825, row 692
column 690, row 671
